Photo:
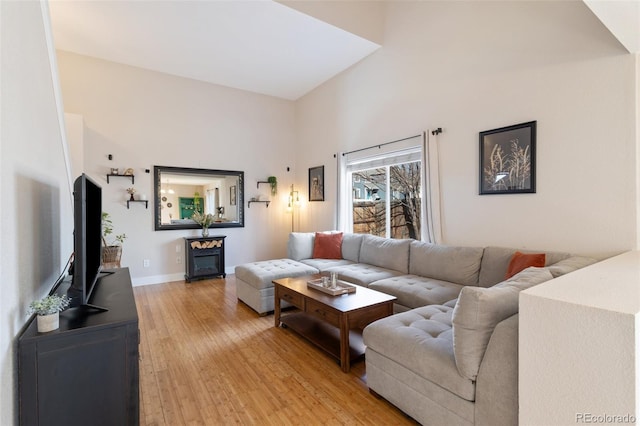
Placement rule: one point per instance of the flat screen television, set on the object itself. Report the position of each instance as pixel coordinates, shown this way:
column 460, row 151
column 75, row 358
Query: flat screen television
column 87, row 240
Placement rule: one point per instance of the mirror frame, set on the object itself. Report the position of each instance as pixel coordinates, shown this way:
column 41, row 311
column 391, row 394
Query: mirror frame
column 159, row 170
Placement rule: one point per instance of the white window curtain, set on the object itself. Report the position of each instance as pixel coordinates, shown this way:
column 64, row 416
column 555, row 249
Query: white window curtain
column 210, row 202
column 343, row 212
column 431, row 218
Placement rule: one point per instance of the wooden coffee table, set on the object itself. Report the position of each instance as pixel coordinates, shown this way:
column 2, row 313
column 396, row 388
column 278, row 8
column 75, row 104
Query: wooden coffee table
column 333, row 323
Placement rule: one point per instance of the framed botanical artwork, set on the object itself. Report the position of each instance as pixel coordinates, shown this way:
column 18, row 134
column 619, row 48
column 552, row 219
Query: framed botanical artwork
column 316, row 183
column 508, row 160
column 232, row 195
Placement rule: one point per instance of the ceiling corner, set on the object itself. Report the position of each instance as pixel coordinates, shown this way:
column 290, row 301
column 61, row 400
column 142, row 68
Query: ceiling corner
column 365, row 19
column 622, row 18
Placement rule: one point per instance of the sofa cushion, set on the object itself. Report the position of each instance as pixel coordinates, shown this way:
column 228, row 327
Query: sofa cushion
column 414, row 291
column 362, row 273
column 385, row 252
column 495, row 261
column 325, row 264
column 421, row 340
column 260, row 274
column 451, row 303
column 300, row 245
column 479, row 310
column 459, row 265
column 569, row 265
column 351, row 246
column 521, row 261
column 327, row 245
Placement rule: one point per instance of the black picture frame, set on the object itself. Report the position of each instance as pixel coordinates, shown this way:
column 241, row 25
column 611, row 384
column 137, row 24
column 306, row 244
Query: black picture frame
column 508, row 160
column 316, row 183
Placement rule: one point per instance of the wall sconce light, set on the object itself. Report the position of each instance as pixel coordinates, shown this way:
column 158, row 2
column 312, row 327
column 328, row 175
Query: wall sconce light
column 294, row 198
column 293, row 201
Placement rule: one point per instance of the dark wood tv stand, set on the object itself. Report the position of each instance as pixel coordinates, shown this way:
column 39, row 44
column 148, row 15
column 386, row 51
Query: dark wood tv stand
column 86, row 372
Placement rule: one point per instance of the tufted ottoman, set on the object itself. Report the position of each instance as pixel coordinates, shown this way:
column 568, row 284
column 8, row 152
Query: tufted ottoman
column 254, row 284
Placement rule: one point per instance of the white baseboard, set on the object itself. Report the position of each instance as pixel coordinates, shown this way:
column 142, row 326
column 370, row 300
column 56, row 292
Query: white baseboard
column 160, row 279
column 157, row 279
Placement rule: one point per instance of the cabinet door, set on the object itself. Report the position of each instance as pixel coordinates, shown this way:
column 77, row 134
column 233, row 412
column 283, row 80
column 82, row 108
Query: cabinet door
column 83, row 379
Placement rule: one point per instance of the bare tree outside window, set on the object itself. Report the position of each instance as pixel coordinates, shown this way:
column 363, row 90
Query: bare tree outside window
column 406, row 200
column 400, row 184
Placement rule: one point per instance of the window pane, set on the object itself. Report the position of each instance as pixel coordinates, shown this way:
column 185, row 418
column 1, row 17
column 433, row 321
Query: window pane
column 369, row 205
column 404, row 180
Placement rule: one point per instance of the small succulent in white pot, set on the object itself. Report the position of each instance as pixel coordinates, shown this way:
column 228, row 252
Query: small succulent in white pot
column 47, row 310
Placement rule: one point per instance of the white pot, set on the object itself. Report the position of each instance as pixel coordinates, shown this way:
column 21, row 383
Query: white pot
column 48, row 322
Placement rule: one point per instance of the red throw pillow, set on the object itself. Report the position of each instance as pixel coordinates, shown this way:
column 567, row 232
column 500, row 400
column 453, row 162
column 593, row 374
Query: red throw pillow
column 521, row 261
column 327, row 246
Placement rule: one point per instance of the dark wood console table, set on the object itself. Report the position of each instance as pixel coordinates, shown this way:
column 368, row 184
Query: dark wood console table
column 86, row 372
column 204, row 257
column 333, row 323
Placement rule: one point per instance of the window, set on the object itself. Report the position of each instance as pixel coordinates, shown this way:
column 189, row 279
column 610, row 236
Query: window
column 386, row 194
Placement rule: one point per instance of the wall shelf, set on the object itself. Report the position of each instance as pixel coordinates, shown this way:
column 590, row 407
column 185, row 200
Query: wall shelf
column 126, row 176
column 265, row 202
column 146, row 203
column 261, row 181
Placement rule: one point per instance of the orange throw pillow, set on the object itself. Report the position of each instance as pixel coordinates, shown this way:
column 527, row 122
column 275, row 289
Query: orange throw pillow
column 327, row 246
column 521, row 261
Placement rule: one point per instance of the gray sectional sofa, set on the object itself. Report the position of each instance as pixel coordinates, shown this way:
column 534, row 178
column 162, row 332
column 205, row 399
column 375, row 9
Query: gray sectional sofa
column 449, row 354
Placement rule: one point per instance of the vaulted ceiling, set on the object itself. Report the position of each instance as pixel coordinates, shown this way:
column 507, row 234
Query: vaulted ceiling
column 262, row 46
column 259, row 46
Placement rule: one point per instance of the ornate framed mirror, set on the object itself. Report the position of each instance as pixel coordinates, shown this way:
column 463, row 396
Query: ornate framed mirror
column 179, row 192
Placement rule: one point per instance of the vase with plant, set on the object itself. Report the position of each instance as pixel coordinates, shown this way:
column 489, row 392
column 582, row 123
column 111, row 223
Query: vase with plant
column 204, row 220
column 131, row 191
column 47, row 310
column 273, row 181
column 111, row 250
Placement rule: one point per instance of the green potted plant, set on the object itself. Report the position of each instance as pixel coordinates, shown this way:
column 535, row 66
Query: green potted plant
column 273, row 181
column 111, row 251
column 47, row 310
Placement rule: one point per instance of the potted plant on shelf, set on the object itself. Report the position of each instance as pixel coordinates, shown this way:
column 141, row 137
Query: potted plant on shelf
column 47, row 310
column 204, row 220
column 273, row 181
column 111, row 252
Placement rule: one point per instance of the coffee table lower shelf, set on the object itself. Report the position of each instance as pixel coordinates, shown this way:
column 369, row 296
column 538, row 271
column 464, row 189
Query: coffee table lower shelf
column 324, row 335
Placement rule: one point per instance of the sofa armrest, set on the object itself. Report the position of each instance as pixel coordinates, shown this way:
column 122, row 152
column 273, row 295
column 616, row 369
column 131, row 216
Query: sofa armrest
column 497, row 381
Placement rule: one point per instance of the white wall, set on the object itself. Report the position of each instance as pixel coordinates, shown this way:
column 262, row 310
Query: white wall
column 637, row 56
column 36, row 222
column 474, row 66
column 74, row 125
column 145, row 118
column 578, row 346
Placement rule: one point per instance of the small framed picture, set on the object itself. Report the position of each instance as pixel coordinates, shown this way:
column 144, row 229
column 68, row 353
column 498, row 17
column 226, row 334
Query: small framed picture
column 232, row 195
column 316, row 183
column 508, row 160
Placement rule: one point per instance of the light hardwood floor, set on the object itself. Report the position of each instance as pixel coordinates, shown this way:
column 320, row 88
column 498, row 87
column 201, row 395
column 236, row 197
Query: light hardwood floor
column 207, row 359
